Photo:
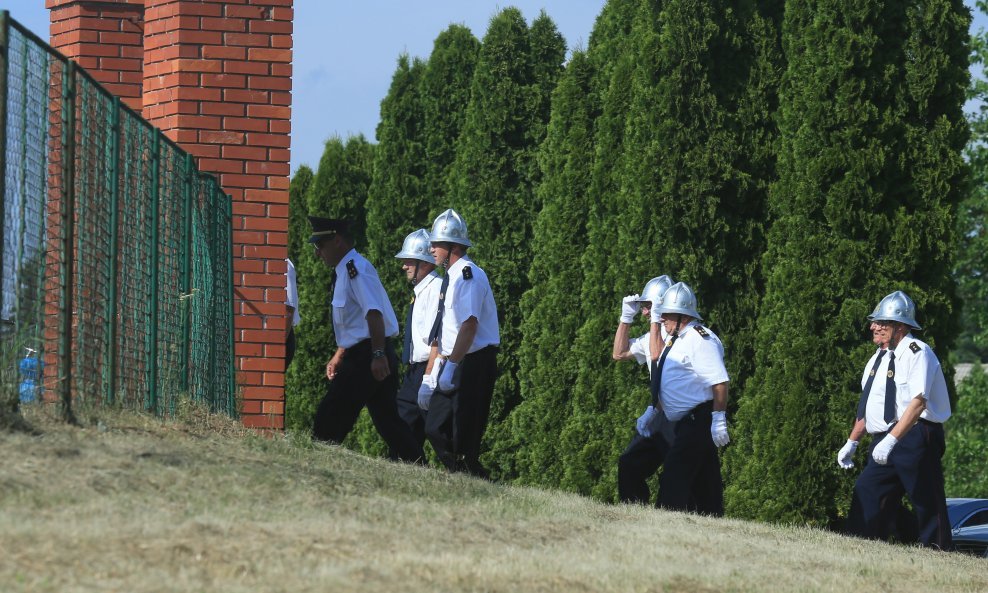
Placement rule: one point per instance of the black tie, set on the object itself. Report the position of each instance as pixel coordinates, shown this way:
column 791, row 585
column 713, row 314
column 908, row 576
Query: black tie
column 406, row 352
column 332, row 285
column 656, row 384
column 863, row 402
column 890, row 390
column 437, row 326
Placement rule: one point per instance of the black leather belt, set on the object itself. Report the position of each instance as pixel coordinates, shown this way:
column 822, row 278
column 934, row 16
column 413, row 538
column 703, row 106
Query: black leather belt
column 706, row 407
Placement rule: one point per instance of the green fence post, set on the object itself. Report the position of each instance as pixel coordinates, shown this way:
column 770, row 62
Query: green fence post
column 39, row 313
column 23, row 193
column 68, row 237
column 4, row 54
column 185, row 284
column 232, row 394
column 155, row 194
column 211, row 241
column 112, row 263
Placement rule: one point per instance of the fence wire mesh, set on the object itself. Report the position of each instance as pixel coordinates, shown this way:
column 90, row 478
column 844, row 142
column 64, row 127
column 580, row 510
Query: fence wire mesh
column 115, row 252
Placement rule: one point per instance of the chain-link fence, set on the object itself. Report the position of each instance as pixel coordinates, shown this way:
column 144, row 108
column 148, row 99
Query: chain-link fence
column 116, row 251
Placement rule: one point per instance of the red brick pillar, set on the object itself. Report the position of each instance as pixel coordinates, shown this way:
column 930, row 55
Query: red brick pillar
column 217, row 80
column 106, row 38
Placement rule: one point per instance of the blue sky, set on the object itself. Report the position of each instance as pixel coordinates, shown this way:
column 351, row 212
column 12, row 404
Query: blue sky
column 346, row 52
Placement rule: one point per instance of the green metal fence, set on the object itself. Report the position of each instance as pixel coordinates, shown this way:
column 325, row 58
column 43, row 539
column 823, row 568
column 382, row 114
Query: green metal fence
column 116, row 251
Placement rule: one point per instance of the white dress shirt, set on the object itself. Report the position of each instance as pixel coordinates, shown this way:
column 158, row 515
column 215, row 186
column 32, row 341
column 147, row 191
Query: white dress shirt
column 354, row 297
column 641, row 348
column 694, row 364
column 917, row 372
column 466, row 298
column 424, row 315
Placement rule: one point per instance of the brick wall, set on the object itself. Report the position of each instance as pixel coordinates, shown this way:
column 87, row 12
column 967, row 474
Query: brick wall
column 216, row 78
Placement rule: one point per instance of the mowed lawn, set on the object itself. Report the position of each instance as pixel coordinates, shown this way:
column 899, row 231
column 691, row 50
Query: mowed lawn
column 129, row 503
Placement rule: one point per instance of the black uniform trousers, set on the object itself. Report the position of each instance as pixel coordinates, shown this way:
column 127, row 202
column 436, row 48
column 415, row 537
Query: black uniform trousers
column 691, row 478
column 642, row 458
column 408, row 401
column 456, row 421
column 913, row 468
column 290, row 346
column 355, row 387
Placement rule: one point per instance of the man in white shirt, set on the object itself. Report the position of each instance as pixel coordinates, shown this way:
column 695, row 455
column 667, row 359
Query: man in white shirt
column 689, row 386
column 364, row 369
column 468, row 334
column 643, row 455
column 417, row 353
column 903, row 405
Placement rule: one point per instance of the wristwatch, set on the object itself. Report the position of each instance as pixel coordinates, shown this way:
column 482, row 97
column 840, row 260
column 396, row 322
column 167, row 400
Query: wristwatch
column 378, row 354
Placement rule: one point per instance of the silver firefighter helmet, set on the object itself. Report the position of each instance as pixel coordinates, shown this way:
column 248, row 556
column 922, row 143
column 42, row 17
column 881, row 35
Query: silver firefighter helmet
column 416, row 246
column 896, row 307
column 450, row 227
column 679, row 299
column 654, row 289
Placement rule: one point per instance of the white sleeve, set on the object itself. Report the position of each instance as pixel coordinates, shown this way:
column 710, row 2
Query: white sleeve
column 922, row 371
column 638, row 347
column 708, row 361
column 367, row 297
column 291, row 287
column 468, row 298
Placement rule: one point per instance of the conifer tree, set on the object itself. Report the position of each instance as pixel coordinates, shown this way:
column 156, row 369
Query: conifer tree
column 551, row 311
column 854, row 218
column 444, row 96
column 298, row 224
column 971, row 268
column 588, row 452
column 396, row 202
column 491, row 181
column 686, row 198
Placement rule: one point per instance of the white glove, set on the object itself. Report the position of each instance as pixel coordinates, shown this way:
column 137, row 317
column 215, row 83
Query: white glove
column 446, row 384
column 718, row 429
column 654, row 314
column 846, row 453
column 630, row 308
column 426, row 390
column 884, row 449
column 644, row 420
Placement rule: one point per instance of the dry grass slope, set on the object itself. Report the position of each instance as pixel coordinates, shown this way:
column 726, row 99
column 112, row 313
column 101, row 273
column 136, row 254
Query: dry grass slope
column 130, row 504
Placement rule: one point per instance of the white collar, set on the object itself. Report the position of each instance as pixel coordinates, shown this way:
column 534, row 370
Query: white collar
column 460, row 263
column 424, row 282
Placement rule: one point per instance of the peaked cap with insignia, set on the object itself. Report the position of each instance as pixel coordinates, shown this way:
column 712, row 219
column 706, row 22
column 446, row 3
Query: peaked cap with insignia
column 323, row 228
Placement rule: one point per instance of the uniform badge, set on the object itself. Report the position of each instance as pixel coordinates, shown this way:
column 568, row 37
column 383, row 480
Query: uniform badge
column 702, row 331
column 872, row 373
column 351, row 269
column 915, row 348
column 467, row 273
column 890, row 374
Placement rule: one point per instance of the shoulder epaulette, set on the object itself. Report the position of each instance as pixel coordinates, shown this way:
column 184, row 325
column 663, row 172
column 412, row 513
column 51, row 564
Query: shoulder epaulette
column 351, row 269
column 467, row 273
column 914, row 347
column 702, row 331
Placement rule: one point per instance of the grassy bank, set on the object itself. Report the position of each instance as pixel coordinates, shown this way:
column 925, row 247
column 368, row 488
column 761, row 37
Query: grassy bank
column 129, row 503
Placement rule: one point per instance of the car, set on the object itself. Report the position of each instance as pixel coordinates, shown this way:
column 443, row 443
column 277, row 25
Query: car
column 972, row 540
column 967, row 512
